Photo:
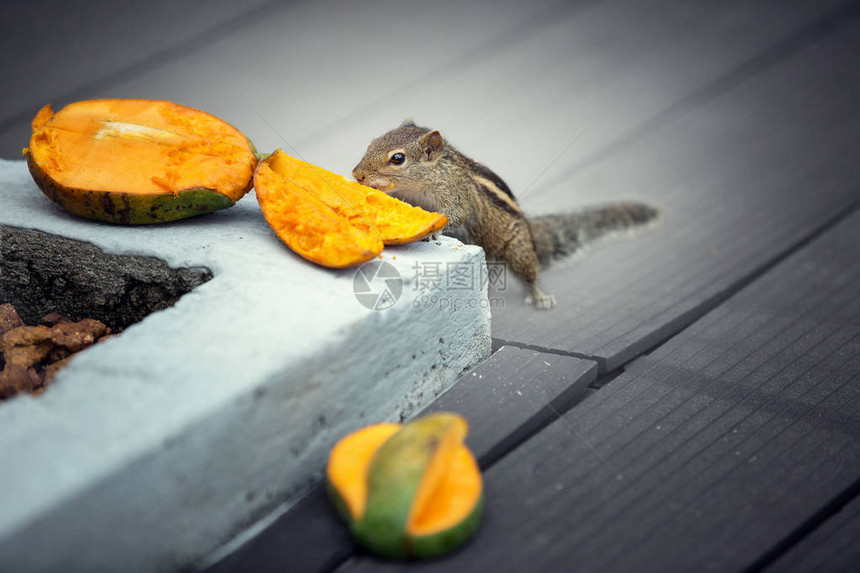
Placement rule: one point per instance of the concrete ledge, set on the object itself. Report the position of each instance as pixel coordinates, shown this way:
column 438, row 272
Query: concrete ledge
column 156, row 446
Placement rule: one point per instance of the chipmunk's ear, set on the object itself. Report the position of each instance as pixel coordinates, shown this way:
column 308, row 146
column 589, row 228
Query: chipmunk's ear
column 432, row 145
column 408, row 122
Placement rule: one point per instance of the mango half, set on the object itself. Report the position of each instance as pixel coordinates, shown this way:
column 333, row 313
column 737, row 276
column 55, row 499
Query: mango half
column 408, row 491
column 330, row 220
column 135, row 161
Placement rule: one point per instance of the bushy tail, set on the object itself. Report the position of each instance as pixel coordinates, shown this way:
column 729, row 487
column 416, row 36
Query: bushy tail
column 557, row 236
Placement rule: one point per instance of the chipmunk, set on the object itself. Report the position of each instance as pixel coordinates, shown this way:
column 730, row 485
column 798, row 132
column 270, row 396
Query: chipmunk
column 417, row 165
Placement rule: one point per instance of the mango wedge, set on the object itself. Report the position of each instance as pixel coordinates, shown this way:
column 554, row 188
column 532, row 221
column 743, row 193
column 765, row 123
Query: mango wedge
column 133, row 161
column 408, row 491
column 330, row 220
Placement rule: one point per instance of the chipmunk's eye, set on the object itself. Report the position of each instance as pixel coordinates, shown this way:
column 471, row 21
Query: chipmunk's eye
column 397, row 159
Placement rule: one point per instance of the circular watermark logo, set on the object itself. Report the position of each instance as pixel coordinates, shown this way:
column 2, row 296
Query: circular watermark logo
column 377, row 285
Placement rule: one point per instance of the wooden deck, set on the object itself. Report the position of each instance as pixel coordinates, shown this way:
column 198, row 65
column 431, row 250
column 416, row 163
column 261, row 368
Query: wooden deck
column 693, row 403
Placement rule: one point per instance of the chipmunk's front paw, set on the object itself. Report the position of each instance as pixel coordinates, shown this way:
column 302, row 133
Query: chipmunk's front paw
column 541, row 300
column 545, row 302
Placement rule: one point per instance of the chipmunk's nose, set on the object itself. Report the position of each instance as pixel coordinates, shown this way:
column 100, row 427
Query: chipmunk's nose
column 358, row 173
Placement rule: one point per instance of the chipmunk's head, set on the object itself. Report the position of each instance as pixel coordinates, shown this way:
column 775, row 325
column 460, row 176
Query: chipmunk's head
column 402, row 161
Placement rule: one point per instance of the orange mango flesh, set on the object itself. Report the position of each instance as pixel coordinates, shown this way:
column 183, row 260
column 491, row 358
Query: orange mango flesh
column 140, row 147
column 446, row 441
column 310, row 227
column 447, row 498
column 350, row 457
column 397, row 222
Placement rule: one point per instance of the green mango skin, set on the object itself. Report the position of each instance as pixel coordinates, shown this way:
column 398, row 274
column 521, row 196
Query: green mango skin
column 129, row 208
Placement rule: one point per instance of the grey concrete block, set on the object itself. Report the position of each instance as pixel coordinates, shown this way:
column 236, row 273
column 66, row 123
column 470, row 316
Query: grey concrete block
column 154, row 447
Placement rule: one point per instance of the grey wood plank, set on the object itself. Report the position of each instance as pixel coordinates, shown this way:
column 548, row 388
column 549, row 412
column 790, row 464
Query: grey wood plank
column 53, row 50
column 283, row 71
column 505, row 399
column 831, row 547
column 517, row 102
column 706, row 454
column 321, row 77
column 512, row 395
column 739, row 185
column 309, row 537
column 628, row 67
